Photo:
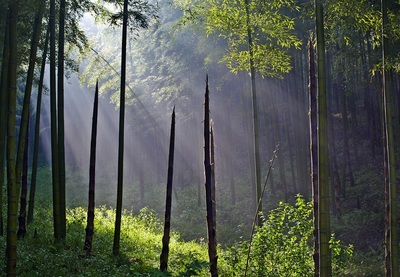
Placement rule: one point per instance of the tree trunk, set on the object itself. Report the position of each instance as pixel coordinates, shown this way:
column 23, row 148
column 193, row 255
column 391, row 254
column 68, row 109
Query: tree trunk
column 391, row 240
column 24, row 189
column 117, row 231
column 255, row 117
column 212, row 243
column 3, row 118
column 92, row 180
column 168, row 201
column 53, row 120
column 312, row 94
column 60, row 127
column 323, row 164
column 213, row 192
column 11, row 251
column 37, row 132
column 23, row 131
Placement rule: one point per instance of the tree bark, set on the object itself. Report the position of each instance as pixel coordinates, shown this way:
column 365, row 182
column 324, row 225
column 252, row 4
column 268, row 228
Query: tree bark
column 323, row 164
column 3, row 118
column 60, row 105
column 312, row 94
column 53, row 120
column 92, row 174
column 24, row 189
column 37, row 132
column 391, row 239
column 168, row 201
column 117, row 231
column 255, row 117
column 11, row 250
column 23, row 131
column 212, row 243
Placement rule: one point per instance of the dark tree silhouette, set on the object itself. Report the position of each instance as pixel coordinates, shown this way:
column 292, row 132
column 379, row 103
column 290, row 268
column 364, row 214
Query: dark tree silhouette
column 92, row 174
column 53, row 120
column 168, row 201
column 12, row 191
column 37, row 132
column 212, row 242
column 117, row 231
column 325, row 260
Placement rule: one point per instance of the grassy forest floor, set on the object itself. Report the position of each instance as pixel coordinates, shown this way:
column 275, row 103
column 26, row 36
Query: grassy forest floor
column 39, row 255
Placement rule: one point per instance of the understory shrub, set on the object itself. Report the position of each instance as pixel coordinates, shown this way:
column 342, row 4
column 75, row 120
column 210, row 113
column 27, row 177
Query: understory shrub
column 283, row 245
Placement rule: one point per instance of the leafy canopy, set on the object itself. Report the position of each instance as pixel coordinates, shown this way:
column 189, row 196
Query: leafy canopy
column 271, row 25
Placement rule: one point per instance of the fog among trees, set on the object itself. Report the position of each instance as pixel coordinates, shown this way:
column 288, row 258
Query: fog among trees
column 299, row 141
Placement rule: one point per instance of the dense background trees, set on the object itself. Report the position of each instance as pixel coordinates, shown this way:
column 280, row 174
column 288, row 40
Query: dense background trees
column 166, row 65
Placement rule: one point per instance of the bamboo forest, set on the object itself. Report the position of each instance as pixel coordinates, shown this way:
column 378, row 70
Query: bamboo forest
column 199, row 138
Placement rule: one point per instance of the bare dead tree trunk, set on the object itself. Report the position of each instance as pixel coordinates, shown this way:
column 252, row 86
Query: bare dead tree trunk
column 212, row 243
column 92, row 173
column 167, row 222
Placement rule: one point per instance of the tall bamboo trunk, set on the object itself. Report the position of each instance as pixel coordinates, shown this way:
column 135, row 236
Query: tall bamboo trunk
column 24, row 190
column 37, row 27
column 53, row 120
column 11, row 250
column 37, row 132
column 23, row 130
column 255, row 115
column 391, row 239
column 117, row 231
column 312, row 94
column 92, row 174
column 168, row 200
column 60, row 119
column 325, row 254
column 3, row 118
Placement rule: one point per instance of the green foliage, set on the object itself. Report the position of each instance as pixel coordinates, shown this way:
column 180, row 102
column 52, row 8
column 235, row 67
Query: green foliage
column 271, row 27
column 283, row 245
column 141, row 245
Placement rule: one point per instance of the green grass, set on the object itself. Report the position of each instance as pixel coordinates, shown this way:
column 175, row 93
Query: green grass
column 141, row 235
column 40, row 255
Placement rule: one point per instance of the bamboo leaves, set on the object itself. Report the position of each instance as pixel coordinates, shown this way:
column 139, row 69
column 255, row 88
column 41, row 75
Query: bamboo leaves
column 270, row 25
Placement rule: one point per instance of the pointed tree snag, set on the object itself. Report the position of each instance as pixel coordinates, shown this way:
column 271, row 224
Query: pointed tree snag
column 212, row 243
column 92, row 173
column 167, row 222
